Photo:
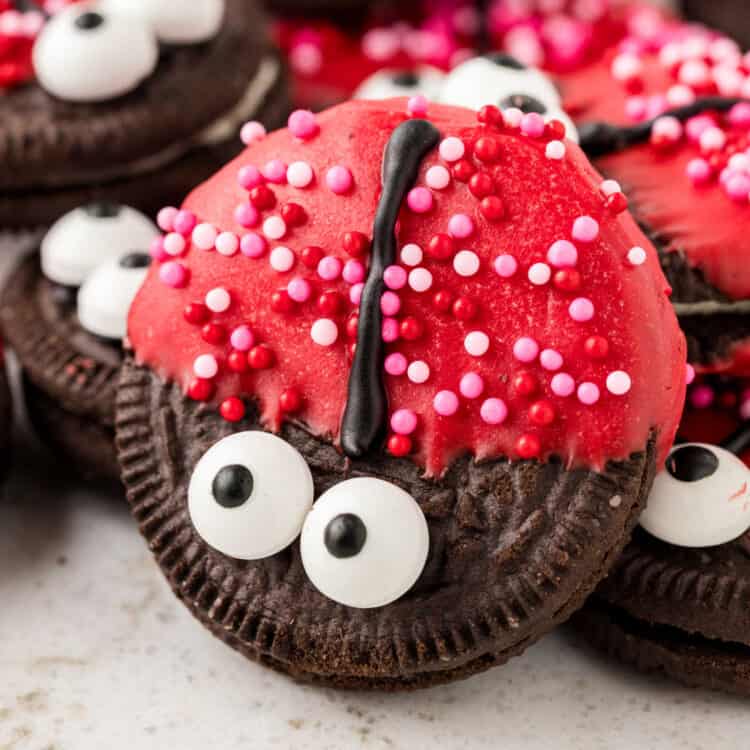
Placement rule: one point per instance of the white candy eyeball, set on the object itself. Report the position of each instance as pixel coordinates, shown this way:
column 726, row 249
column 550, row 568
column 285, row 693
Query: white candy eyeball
column 105, row 298
column 85, row 237
column 700, row 499
column 365, row 543
column 86, row 54
column 503, row 81
column 249, row 495
column 175, row 21
column 386, row 84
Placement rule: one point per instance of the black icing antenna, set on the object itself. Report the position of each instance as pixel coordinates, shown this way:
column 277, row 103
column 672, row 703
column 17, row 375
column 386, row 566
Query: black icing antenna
column 739, row 441
column 601, row 138
column 365, row 422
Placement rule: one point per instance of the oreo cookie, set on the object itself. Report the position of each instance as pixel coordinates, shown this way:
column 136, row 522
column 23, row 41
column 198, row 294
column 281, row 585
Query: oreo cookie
column 6, row 418
column 397, row 430
column 81, row 121
column 669, row 123
column 64, row 313
column 730, row 16
column 676, row 601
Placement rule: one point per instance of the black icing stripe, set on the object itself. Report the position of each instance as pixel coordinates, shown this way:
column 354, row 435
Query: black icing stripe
column 365, row 420
column 601, row 138
column 739, row 441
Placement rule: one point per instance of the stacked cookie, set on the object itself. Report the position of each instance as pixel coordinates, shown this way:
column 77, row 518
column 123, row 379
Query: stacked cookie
column 391, row 389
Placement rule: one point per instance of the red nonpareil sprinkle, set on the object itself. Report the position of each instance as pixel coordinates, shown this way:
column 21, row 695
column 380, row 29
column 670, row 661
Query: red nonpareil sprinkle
column 616, row 203
column 554, row 130
column 487, row 149
column 290, row 400
column 260, row 357
column 232, row 409
column 293, row 214
column 492, row 208
column 463, row 170
column 237, row 362
column 262, row 197
column 542, row 413
column 411, row 328
column 441, row 247
column 355, row 244
column 465, row 309
column 399, row 445
column 330, row 303
column 201, row 390
column 596, row 347
column 567, row 280
column 490, row 115
column 442, row 300
column 528, row 446
column 481, row 185
column 196, row 313
column 311, row 256
column 525, row 384
column 214, row 333
column 281, row 302
column 352, row 324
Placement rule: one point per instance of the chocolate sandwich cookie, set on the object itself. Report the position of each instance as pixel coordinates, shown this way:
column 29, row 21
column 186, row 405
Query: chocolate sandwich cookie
column 677, row 601
column 728, row 15
column 81, row 121
column 397, row 430
column 496, row 79
column 668, row 120
column 64, row 313
column 6, row 417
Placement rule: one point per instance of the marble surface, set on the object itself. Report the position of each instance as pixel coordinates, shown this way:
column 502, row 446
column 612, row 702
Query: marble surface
column 96, row 653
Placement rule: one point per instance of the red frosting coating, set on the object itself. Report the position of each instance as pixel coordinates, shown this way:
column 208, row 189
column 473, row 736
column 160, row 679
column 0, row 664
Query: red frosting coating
column 633, row 329
column 655, row 178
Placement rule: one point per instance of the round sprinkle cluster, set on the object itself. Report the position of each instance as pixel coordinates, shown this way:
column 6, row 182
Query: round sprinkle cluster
column 327, row 283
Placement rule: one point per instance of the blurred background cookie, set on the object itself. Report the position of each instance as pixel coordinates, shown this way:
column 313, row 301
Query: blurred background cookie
column 64, row 313
column 81, row 119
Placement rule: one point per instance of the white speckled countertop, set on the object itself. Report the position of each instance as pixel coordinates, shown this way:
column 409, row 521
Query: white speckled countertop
column 97, row 653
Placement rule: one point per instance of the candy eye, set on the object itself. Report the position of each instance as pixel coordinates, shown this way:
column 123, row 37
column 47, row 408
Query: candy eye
column 105, row 298
column 503, row 81
column 701, row 498
column 387, row 84
column 365, row 543
column 249, row 495
column 82, row 239
column 87, row 54
column 174, row 21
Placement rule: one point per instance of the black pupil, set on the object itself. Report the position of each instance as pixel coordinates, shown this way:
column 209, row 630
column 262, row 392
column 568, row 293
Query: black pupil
column 692, row 463
column 506, row 61
column 89, row 21
column 406, row 78
column 102, row 209
column 525, row 103
column 135, row 260
column 345, row 535
column 232, row 486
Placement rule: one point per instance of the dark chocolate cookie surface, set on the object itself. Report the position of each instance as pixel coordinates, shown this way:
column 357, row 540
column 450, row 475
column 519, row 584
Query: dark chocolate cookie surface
column 519, row 544
column 71, row 374
column 178, row 122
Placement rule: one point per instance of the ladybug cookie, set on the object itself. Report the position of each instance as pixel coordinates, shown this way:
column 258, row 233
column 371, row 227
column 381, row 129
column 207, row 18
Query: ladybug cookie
column 669, row 121
column 81, row 120
column 64, row 313
column 677, row 602
column 395, row 407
